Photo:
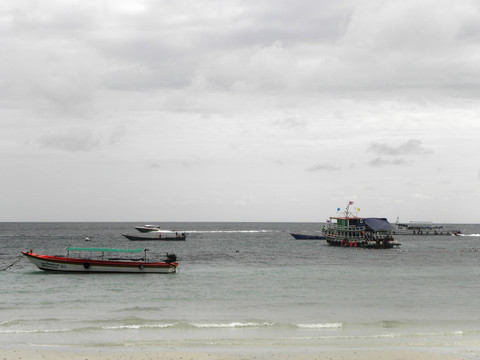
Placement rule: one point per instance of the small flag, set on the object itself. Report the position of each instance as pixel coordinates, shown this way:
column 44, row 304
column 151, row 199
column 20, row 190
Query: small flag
column 358, row 209
column 338, row 209
column 350, row 203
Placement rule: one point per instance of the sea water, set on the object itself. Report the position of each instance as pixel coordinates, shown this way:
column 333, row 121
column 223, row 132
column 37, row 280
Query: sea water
column 243, row 287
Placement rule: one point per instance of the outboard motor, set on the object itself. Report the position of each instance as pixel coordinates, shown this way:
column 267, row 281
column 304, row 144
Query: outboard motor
column 171, row 258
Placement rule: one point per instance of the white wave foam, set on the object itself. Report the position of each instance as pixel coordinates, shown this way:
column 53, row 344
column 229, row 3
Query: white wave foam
column 33, row 331
column 320, row 326
column 136, row 327
column 231, row 231
column 231, row 325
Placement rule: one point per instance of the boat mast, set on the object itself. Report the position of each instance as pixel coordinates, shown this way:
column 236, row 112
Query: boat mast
column 346, row 213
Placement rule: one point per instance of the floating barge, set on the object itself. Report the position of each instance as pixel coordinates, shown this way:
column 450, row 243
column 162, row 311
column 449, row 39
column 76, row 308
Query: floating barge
column 352, row 231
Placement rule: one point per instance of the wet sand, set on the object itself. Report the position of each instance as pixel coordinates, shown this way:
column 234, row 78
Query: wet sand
column 391, row 354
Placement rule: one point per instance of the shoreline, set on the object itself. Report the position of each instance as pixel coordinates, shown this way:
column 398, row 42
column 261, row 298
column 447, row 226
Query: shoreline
column 212, row 353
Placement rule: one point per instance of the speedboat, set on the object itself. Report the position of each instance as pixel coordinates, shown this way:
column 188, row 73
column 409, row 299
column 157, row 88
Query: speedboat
column 148, row 228
column 160, row 237
column 103, row 260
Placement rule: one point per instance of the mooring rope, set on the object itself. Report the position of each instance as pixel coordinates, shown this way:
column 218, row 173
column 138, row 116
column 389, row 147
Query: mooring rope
column 16, row 261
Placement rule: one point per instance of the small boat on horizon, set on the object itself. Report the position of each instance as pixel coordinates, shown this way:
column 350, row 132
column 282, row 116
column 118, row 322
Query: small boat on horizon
column 159, row 237
column 352, row 231
column 103, row 260
column 423, row 228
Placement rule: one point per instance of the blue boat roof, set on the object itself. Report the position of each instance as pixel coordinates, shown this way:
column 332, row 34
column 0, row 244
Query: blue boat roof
column 378, row 224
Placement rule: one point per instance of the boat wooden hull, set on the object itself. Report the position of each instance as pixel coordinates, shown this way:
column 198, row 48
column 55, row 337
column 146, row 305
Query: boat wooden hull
column 77, row 265
column 362, row 244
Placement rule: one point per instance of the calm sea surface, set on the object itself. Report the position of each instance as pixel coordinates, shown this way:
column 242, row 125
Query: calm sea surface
column 243, row 286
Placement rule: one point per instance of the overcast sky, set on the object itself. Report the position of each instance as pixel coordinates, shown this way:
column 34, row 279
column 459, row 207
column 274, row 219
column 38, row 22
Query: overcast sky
column 277, row 110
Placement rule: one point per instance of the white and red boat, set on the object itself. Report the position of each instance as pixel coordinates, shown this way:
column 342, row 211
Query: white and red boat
column 103, row 260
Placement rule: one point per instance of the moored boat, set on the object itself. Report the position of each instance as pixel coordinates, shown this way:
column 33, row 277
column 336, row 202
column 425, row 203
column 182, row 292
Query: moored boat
column 352, row 231
column 103, row 260
column 423, row 228
column 160, row 237
column 308, row 237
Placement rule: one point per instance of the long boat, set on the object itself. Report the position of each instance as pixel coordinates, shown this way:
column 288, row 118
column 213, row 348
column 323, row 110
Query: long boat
column 103, row 260
column 308, row 237
column 352, row 231
column 182, row 237
column 424, row 228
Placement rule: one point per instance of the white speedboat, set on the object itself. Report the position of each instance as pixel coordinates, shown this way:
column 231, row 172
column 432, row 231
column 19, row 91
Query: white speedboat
column 148, row 228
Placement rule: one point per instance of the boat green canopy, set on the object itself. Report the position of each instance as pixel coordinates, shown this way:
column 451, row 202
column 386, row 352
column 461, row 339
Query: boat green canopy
column 105, row 249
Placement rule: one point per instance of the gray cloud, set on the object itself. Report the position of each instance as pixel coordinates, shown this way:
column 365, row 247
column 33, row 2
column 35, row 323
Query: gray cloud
column 379, row 162
column 411, row 147
column 291, row 123
column 288, row 47
column 203, row 86
column 73, row 140
column 323, row 167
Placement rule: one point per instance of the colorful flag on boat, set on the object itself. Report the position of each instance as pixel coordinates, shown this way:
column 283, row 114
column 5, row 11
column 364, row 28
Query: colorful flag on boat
column 338, row 209
column 350, row 203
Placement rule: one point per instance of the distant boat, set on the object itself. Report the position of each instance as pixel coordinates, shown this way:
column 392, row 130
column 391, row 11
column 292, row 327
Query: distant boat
column 160, row 237
column 423, row 228
column 308, row 237
column 353, row 231
column 103, row 260
column 148, row 228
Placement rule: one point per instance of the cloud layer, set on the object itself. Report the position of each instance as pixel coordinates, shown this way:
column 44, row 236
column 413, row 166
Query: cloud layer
column 221, row 103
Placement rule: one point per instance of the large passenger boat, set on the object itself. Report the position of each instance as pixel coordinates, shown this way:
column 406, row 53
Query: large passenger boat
column 352, row 231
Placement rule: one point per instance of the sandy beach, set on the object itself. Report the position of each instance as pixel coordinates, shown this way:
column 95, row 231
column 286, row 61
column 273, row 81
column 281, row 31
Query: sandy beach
column 390, row 354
